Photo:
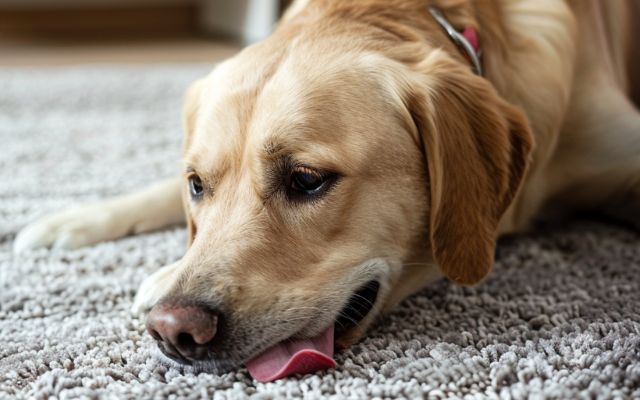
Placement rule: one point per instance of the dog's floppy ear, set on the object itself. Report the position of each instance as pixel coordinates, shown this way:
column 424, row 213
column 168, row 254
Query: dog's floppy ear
column 477, row 148
column 189, row 114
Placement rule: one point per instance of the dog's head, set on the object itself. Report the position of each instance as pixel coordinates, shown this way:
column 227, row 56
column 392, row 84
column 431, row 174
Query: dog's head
column 324, row 181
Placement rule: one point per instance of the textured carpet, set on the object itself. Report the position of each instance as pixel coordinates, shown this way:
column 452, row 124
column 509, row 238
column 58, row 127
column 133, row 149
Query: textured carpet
column 559, row 316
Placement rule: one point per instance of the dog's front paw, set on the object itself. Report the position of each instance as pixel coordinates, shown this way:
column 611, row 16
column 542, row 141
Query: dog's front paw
column 154, row 288
column 68, row 230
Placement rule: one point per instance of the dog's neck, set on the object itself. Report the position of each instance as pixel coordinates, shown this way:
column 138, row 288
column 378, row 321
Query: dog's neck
column 467, row 40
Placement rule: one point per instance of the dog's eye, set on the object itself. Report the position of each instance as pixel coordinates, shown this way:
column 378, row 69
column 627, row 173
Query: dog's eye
column 195, row 187
column 307, row 181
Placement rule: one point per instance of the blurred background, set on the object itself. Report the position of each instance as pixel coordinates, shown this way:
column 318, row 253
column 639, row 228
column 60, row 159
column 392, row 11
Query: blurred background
column 59, row 32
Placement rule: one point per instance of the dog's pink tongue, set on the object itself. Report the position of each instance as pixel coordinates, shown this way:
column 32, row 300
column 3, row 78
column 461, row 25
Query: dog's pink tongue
column 294, row 357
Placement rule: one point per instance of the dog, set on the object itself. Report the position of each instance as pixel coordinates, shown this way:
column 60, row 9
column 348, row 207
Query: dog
column 364, row 150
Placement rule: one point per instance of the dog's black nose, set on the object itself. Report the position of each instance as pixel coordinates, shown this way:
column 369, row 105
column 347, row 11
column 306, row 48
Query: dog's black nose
column 183, row 332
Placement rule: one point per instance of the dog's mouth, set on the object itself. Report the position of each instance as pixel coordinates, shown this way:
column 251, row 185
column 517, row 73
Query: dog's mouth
column 358, row 307
column 293, row 356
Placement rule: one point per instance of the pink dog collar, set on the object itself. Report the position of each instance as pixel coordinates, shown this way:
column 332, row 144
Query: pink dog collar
column 467, row 41
column 471, row 34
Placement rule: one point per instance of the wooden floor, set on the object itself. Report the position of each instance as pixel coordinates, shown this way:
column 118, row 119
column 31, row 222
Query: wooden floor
column 49, row 35
column 186, row 49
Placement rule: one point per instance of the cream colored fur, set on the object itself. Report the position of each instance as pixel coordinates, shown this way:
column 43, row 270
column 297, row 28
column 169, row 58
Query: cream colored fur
column 434, row 162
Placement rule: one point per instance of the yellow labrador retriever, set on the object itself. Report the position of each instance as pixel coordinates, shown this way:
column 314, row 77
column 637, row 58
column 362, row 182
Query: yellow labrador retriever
column 365, row 149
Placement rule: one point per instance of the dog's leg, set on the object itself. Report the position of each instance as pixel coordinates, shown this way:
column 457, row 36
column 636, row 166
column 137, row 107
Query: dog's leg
column 598, row 161
column 596, row 166
column 157, row 207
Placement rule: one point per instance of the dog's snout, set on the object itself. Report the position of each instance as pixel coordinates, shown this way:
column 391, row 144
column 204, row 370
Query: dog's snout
column 183, row 332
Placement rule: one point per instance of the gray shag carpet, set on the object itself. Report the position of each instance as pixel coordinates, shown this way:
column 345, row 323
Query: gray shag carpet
column 559, row 316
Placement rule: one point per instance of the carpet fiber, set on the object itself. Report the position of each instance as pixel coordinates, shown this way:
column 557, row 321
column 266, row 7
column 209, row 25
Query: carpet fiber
column 557, row 318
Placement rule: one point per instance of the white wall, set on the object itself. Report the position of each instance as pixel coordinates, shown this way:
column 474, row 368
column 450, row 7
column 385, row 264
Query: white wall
column 246, row 20
column 85, row 3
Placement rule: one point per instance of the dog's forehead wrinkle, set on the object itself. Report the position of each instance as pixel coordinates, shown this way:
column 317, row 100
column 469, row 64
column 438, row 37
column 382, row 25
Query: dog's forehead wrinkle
column 299, row 110
column 272, row 148
column 323, row 122
column 233, row 87
column 250, row 68
column 221, row 131
column 306, row 84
